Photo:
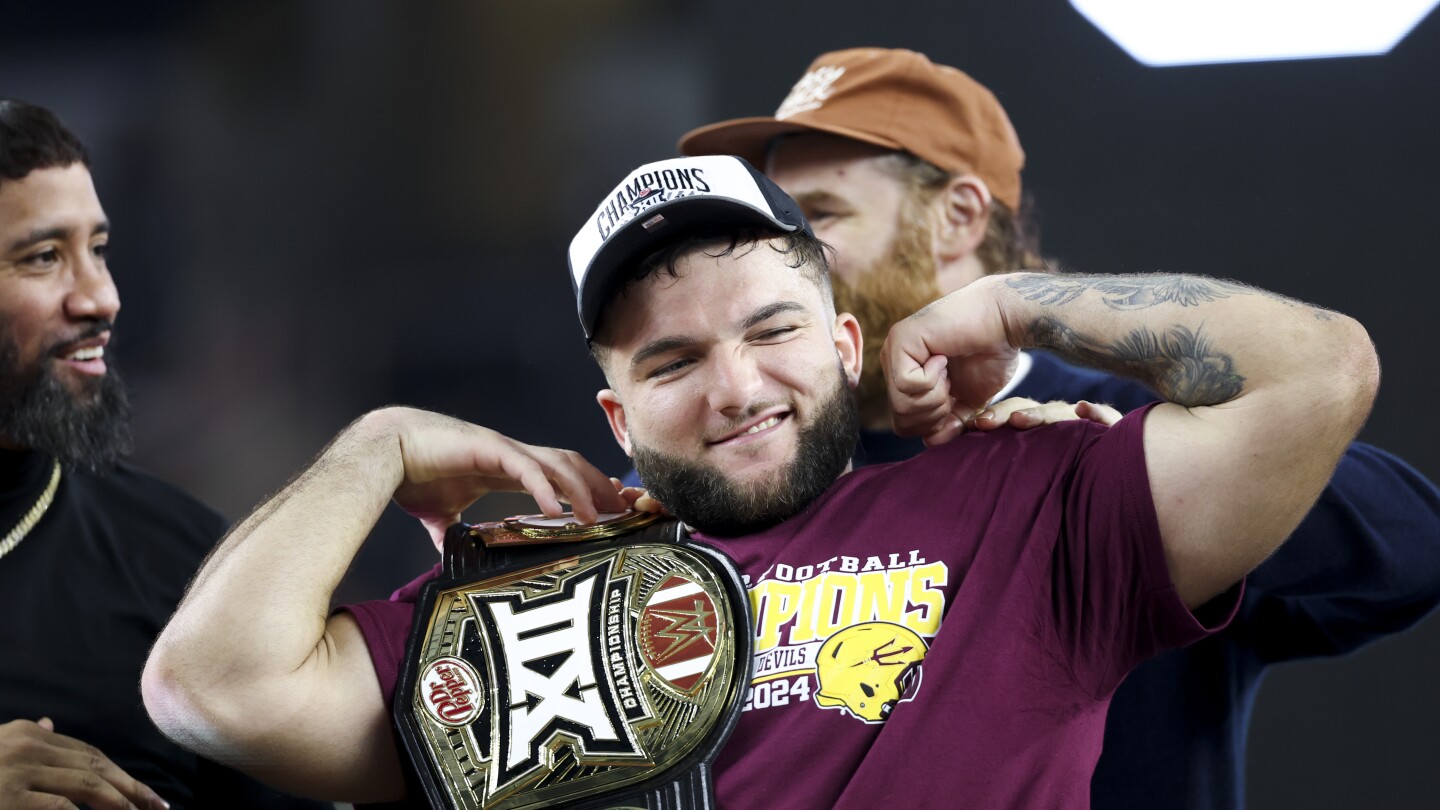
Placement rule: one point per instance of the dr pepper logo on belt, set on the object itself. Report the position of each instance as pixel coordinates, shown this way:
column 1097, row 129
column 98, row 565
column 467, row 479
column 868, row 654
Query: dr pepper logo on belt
column 574, row 677
column 449, row 691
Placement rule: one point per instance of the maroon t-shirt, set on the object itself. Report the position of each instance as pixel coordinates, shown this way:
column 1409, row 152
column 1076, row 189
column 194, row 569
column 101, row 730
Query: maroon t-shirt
column 941, row 632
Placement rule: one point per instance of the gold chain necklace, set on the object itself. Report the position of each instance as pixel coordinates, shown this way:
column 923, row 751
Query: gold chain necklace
column 33, row 516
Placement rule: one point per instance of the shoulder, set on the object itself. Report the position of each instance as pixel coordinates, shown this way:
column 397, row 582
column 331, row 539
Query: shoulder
column 136, row 499
column 1041, row 458
column 1035, row 456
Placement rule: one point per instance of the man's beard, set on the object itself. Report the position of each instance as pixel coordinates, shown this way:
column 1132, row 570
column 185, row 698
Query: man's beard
column 897, row 286
column 710, row 501
column 86, row 428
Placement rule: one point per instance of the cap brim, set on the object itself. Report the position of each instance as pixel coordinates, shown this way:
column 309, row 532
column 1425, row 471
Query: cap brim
column 749, row 138
column 682, row 218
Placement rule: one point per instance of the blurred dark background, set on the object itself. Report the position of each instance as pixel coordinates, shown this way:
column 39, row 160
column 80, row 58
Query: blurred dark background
column 325, row 206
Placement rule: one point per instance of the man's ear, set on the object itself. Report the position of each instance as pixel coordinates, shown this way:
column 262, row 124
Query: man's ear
column 964, row 214
column 849, row 343
column 615, row 412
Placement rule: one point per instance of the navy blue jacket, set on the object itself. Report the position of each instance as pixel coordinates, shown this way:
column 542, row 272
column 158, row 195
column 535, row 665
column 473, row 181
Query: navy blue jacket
column 1365, row 562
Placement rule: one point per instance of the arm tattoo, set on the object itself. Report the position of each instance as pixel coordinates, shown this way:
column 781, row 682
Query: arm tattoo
column 1126, row 292
column 1180, row 365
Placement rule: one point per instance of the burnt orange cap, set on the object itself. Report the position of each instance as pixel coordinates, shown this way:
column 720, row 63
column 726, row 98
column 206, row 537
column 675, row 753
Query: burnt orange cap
column 895, row 99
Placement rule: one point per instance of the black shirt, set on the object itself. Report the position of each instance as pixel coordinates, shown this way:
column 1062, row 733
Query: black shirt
column 82, row 598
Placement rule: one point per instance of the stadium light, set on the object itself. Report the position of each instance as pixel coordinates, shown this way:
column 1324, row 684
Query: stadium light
column 1194, row 32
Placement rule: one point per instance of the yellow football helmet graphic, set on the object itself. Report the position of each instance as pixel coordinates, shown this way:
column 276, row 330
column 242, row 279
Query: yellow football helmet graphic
column 865, row 669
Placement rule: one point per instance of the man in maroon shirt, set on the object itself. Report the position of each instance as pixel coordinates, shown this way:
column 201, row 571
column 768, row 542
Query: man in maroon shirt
column 945, row 631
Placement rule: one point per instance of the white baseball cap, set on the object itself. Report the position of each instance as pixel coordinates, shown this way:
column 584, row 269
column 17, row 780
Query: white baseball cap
column 665, row 201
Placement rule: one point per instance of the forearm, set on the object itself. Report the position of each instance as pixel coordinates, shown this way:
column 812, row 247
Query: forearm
column 1195, row 341
column 257, row 611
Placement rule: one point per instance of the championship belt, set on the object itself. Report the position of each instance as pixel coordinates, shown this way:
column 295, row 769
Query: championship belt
column 558, row 665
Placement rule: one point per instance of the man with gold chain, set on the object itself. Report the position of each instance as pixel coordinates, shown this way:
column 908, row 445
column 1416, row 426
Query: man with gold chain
column 94, row 554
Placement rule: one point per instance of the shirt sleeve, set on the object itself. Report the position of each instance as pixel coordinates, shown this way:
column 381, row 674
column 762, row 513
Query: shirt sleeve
column 1113, row 600
column 385, row 624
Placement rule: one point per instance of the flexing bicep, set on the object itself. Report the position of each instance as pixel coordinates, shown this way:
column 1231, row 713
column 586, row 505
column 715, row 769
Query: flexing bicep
column 1264, row 393
column 338, row 742
column 319, row 729
column 1230, row 482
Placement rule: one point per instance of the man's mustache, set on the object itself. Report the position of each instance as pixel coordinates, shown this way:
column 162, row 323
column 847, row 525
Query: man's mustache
column 95, row 329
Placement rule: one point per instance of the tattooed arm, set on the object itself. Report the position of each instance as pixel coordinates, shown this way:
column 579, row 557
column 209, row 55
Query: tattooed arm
column 1263, row 394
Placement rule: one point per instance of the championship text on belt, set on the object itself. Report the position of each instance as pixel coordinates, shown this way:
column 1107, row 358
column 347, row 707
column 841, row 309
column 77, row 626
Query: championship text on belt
column 559, row 665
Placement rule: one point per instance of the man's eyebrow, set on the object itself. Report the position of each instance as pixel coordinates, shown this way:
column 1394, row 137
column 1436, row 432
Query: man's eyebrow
column 769, row 311
column 673, row 342
column 36, row 236
column 55, row 232
column 811, row 198
column 659, row 346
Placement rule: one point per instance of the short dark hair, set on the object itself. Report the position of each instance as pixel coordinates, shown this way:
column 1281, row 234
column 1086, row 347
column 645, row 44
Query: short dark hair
column 803, row 251
column 31, row 138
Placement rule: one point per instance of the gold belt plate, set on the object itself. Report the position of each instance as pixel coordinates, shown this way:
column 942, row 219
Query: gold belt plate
column 583, row 675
